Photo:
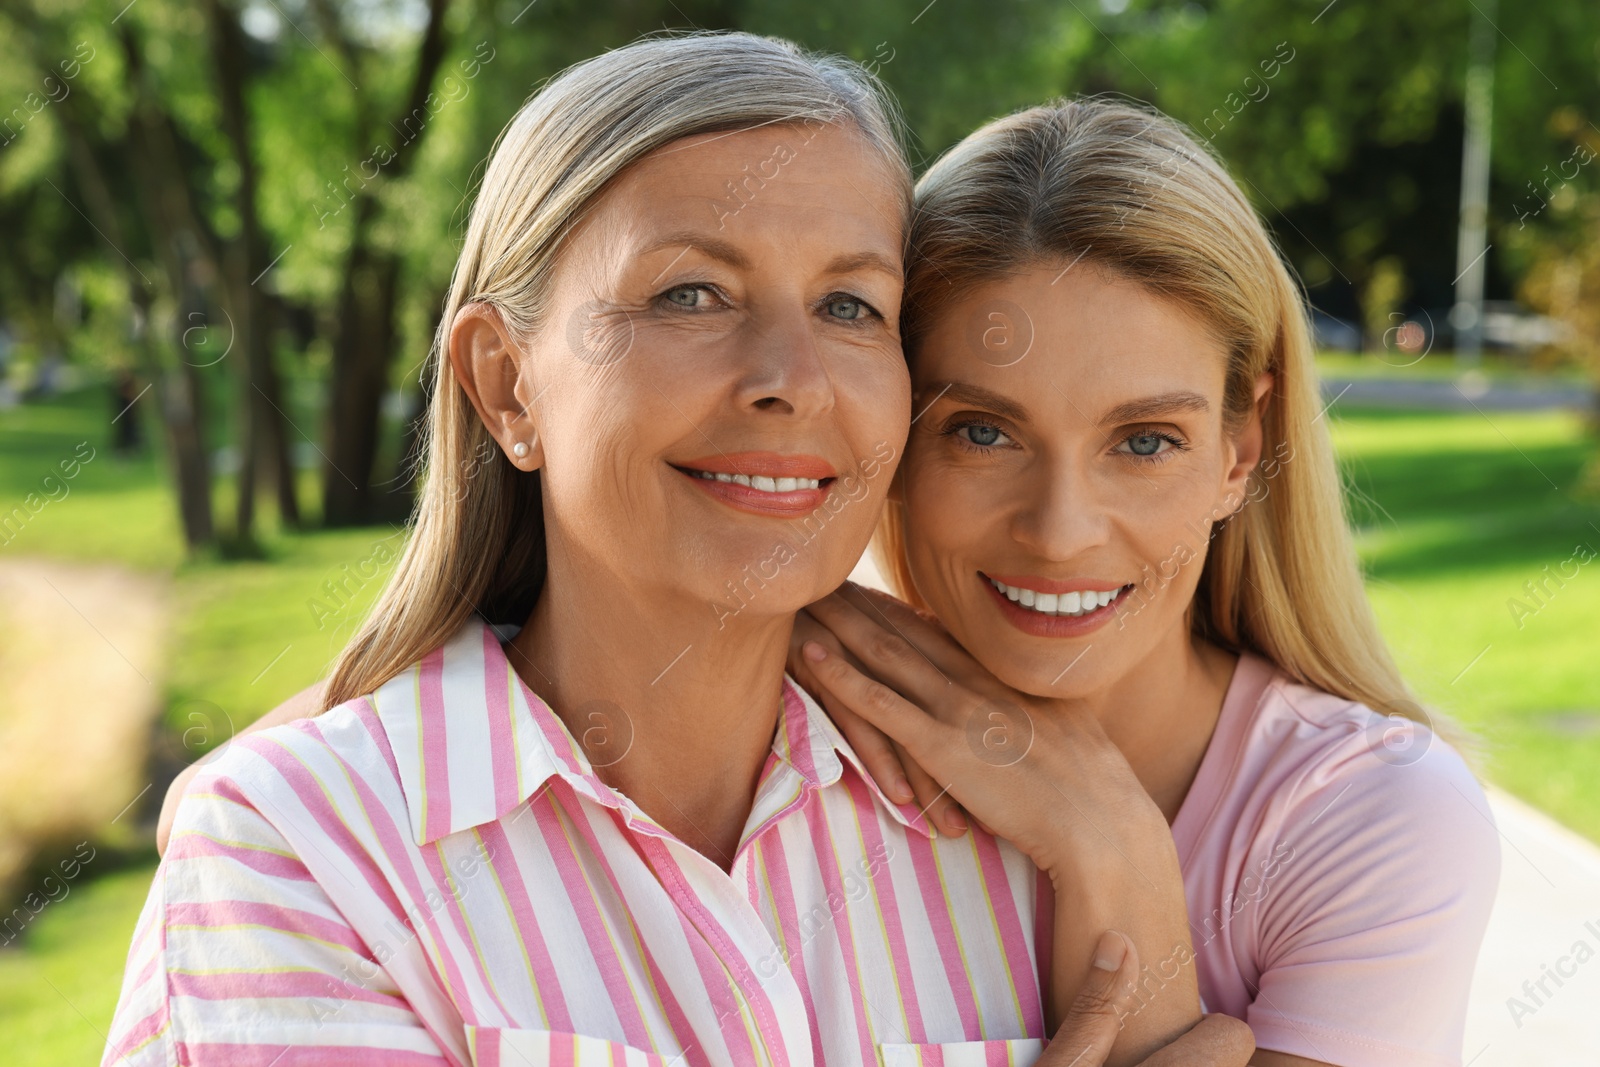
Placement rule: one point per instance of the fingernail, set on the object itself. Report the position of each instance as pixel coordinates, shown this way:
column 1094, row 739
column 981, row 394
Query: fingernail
column 1110, row 951
column 814, row 652
column 902, row 790
column 956, row 821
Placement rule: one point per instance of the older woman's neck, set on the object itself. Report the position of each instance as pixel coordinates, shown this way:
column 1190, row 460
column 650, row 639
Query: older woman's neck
column 674, row 711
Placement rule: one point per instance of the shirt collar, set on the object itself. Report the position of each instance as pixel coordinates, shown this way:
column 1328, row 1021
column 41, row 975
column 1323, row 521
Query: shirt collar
column 471, row 742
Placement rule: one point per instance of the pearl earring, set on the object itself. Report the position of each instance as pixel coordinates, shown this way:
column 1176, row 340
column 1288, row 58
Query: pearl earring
column 520, row 450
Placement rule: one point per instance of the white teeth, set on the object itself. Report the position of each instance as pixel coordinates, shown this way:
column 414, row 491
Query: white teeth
column 1072, row 604
column 760, row 482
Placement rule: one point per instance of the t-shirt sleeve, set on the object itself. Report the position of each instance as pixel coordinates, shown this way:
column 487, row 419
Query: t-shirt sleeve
column 240, row 957
column 1368, row 934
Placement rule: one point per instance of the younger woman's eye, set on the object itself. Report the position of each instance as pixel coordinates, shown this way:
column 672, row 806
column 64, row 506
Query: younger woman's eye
column 1149, row 444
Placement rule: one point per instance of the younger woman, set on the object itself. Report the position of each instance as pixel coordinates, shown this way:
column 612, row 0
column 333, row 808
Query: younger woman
column 1120, row 502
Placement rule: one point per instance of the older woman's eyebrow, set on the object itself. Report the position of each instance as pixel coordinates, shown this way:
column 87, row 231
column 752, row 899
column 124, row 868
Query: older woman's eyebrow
column 975, row 395
column 711, row 247
column 1151, row 407
column 875, row 261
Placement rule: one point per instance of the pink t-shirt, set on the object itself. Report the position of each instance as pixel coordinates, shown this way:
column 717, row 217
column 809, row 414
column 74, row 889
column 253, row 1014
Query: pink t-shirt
column 1339, row 867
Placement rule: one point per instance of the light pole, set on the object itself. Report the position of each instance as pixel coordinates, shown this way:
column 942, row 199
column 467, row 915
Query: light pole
column 1471, row 250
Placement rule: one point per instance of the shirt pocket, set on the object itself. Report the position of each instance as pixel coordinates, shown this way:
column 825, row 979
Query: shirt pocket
column 491, row 1047
column 1020, row 1052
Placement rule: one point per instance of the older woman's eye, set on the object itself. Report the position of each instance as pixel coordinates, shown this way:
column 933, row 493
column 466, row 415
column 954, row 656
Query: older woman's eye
column 687, row 296
column 981, row 434
column 849, row 308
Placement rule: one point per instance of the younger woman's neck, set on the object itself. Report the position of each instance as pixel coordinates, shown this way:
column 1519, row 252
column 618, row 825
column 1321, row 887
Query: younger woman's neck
column 1163, row 712
column 674, row 712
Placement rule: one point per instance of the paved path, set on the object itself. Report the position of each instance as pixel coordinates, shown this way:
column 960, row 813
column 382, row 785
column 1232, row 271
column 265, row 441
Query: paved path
column 1459, row 395
column 81, row 650
column 1546, row 920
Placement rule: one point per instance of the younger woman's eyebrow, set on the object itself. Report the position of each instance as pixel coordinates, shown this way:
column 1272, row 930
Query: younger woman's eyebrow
column 976, row 395
column 1152, row 406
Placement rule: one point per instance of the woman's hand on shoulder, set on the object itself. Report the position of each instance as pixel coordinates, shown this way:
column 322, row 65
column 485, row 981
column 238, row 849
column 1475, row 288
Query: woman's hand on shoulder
column 303, row 704
column 916, row 706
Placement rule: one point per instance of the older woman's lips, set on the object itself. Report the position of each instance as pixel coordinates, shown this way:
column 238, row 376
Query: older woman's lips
column 763, row 483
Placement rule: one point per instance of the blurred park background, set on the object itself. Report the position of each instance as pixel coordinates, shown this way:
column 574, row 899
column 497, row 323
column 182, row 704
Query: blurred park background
column 226, row 229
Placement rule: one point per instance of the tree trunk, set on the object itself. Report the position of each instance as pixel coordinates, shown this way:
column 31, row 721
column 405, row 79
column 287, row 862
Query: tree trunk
column 363, row 349
column 262, row 442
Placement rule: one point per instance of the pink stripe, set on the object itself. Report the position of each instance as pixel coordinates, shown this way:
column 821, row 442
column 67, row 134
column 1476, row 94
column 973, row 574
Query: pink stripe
column 1044, row 927
column 486, row 1048
column 140, row 1032
column 549, row 726
column 546, row 978
column 776, row 860
column 888, row 904
column 396, row 850
column 193, row 846
column 1019, row 960
column 944, row 933
column 603, row 955
column 832, row 879
column 289, row 920
column 502, row 735
column 750, row 984
column 231, row 1055
column 682, row 1029
column 797, row 725
column 563, row 1050
column 300, row 985
column 435, row 744
column 931, row 1056
column 432, row 859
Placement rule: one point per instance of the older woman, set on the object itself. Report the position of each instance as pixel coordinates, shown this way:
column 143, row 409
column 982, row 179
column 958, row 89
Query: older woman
column 622, row 836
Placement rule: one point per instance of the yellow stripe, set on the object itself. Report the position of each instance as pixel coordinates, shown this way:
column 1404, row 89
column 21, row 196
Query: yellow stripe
column 461, row 909
column 883, row 927
column 955, row 928
column 238, row 844
column 583, row 869
column 444, row 979
column 999, row 940
column 517, row 929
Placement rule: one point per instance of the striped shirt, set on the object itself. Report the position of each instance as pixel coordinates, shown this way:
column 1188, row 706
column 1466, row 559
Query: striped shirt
column 434, row 874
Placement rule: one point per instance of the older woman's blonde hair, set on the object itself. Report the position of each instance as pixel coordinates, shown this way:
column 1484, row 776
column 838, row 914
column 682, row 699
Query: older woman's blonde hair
column 478, row 544
column 1128, row 190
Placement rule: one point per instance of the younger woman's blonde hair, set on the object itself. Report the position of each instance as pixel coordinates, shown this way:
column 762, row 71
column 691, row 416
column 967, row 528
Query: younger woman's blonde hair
column 1127, row 190
column 478, row 543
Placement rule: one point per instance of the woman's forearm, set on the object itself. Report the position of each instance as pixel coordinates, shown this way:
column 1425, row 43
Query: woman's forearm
column 303, row 704
column 1132, row 884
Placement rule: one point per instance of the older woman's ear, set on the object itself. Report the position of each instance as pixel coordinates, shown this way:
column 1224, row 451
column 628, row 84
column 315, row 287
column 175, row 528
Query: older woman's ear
column 488, row 363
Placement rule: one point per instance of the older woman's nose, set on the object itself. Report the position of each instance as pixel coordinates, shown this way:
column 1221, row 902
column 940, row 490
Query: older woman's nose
column 785, row 372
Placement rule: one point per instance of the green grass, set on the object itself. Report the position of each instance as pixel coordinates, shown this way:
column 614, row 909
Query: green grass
column 58, row 991
column 1456, row 514
column 1441, row 365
